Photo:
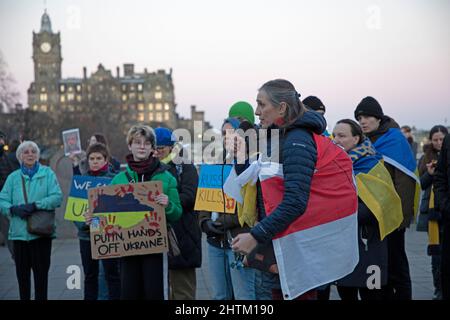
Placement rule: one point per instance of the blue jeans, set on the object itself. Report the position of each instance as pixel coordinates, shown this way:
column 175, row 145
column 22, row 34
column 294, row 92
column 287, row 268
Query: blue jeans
column 227, row 282
column 264, row 283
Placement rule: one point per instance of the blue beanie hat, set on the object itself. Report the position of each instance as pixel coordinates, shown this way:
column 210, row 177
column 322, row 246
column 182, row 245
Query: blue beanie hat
column 164, row 137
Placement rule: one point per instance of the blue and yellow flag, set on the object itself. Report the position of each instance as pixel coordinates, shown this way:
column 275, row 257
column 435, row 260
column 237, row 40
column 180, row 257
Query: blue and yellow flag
column 375, row 187
column 397, row 152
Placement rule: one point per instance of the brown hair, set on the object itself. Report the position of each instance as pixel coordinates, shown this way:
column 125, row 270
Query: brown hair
column 279, row 91
column 100, row 148
column 141, row 130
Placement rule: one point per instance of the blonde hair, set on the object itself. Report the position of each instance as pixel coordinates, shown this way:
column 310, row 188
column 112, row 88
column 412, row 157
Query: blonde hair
column 141, row 130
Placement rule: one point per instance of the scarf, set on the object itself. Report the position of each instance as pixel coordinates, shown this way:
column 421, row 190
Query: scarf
column 30, row 171
column 361, row 150
column 102, row 171
column 147, row 166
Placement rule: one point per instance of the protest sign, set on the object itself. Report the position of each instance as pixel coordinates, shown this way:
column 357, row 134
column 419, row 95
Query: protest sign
column 210, row 196
column 127, row 220
column 77, row 202
column 72, row 143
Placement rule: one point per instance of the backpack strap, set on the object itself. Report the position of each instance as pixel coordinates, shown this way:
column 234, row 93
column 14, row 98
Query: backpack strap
column 129, row 177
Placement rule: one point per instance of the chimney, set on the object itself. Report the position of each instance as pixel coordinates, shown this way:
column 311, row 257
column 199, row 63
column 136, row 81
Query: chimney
column 118, row 72
column 128, row 69
column 84, row 73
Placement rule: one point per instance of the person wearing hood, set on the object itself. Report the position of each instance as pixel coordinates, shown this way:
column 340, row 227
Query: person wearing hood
column 279, row 107
column 182, row 277
column 145, row 276
column 385, row 135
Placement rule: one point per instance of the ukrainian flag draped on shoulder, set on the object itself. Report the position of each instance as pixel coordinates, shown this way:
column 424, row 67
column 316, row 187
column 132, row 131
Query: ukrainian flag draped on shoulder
column 375, row 187
column 397, row 152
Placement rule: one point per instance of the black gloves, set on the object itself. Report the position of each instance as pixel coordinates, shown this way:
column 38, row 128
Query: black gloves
column 212, row 228
column 23, row 211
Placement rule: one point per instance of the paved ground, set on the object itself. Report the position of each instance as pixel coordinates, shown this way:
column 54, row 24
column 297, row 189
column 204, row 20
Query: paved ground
column 65, row 252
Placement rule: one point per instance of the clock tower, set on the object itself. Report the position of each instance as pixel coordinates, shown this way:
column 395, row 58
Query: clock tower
column 47, row 54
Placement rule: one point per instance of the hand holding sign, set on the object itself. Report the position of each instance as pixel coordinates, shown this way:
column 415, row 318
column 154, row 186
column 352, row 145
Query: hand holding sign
column 162, row 199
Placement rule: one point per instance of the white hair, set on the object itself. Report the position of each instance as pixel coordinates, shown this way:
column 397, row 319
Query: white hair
column 25, row 145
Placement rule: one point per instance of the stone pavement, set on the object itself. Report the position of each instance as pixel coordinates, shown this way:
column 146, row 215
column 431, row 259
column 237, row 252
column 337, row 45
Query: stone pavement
column 65, row 252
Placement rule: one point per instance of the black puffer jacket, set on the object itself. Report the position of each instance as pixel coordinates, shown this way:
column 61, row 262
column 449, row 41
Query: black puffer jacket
column 186, row 229
column 298, row 156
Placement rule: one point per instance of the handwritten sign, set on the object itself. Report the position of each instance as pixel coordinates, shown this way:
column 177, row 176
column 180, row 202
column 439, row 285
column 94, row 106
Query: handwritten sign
column 77, row 202
column 127, row 220
column 210, row 196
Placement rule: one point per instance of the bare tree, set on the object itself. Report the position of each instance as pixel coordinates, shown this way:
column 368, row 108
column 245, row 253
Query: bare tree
column 9, row 95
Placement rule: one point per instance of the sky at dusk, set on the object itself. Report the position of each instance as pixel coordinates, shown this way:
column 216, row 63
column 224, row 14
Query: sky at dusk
column 397, row 51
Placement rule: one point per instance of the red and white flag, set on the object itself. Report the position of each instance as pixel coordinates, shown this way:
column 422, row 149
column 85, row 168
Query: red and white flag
column 320, row 246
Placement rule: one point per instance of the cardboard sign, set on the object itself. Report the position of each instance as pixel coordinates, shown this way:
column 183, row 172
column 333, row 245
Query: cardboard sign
column 71, row 140
column 77, row 202
column 210, row 196
column 127, row 220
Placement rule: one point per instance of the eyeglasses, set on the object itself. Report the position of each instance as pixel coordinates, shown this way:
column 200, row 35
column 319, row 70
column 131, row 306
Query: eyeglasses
column 146, row 144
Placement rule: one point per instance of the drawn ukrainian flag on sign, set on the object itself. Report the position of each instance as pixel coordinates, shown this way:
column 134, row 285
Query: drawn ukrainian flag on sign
column 77, row 202
column 210, row 196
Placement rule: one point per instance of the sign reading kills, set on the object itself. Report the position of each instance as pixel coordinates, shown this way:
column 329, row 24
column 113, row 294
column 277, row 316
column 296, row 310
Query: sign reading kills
column 210, row 196
column 127, row 220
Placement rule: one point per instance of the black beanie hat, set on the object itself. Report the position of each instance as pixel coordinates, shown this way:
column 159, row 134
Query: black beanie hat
column 314, row 103
column 369, row 107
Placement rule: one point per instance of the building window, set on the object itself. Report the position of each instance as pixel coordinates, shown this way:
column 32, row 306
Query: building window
column 141, row 116
column 62, row 98
column 166, row 116
column 140, row 97
column 159, row 116
column 150, row 106
column 43, row 97
column 140, row 87
column 141, row 107
column 124, row 107
column 158, row 106
column 70, row 89
column 43, row 89
column 124, row 97
column 132, row 87
column 78, row 87
column 78, row 98
column 70, row 96
column 158, row 95
column 166, row 106
column 124, row 87
column 35, row 107
column 151, row 118
column 44, row 108
column 62, row 88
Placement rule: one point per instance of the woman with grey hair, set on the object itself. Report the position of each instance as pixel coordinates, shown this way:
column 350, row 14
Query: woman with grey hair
column 32, row 252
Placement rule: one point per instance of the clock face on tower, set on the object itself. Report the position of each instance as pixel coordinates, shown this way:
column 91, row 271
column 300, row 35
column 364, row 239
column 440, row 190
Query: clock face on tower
column 46, row 47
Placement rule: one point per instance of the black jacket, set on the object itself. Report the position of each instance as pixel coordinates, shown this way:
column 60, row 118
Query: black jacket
column 442, row 181
column 187, row 229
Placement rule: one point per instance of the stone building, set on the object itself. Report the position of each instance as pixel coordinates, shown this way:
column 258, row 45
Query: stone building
column 131, row 95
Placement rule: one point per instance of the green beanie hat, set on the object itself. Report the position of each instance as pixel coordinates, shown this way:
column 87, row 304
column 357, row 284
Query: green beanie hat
column 244, row 110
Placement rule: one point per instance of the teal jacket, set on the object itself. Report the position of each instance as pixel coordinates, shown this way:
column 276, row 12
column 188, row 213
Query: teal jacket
column 43, row 189
column 169, row 184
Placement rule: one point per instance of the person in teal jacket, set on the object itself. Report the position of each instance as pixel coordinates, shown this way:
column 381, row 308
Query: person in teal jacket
column 145, row 276
column 31, row 252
